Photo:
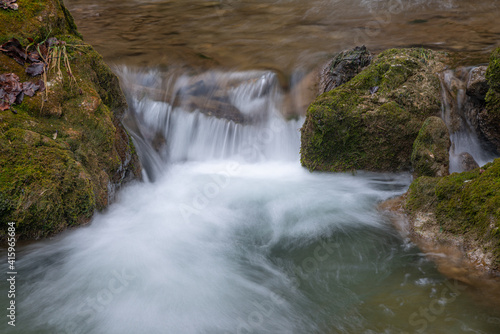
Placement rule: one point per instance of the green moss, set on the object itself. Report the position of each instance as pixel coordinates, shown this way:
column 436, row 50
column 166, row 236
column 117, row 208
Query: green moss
column 42, row 183
column 493, row 71
column 430, row 155
column 35, row 19
column 490, row 116
column 69, row 20
column 466, row 204
column 349, row 128
column 421, row 194
column 493, row 78
column 58, row 156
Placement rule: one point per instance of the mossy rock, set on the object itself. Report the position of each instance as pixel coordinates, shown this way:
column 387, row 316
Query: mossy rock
column 463, row 204
column 430, row 156
column 489, row 118
column 350, row 127
column 36, row 19
column 60, row 157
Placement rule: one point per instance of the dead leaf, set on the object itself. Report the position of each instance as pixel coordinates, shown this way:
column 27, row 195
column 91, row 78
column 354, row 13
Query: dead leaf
column 35, row 69
column 8, row 4
column 41, row 84
column 19, row 98
column 29, row 88
column 12, row 91
column 12, row 87
column 14, row 49
column 36, row 58
column 4, row 105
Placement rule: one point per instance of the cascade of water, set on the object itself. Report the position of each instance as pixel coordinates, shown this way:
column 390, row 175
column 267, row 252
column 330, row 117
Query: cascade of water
column 215, row 115
column 459, row 112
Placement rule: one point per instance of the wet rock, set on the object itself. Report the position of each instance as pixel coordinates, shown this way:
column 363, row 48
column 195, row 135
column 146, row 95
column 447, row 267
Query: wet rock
column 454, row 97
column 430, row 155
column 489, row 117
column 213, row 107
column 343, row 67
column 461, row 111
column 477, row 86
column 467, row 162
column 302, row 92
column 461, row 207
column 348, row 128
column 64, row 147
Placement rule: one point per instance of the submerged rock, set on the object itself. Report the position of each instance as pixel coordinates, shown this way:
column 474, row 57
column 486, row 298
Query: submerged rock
column 430, row 155
column 355, row 126
column 65, row 150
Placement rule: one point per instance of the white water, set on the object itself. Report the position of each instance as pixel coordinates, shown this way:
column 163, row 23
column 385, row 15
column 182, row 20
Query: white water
column 191, row 135
column 231, row 242
column 463, row 135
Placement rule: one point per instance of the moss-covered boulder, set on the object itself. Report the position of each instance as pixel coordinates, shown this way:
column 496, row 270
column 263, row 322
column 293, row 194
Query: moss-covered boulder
column 430, row 155
column 464, row 206
column 371, row 121
column 489, row 118
column 64, row 150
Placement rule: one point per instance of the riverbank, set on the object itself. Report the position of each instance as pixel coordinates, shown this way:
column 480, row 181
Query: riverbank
column 388, row 117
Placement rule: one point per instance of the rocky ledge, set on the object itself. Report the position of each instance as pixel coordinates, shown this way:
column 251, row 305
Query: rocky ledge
column 63, row 151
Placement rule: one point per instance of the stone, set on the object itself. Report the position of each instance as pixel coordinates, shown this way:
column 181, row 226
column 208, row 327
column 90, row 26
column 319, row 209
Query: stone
column 430, row 156
column 66, row 147
column 467, row 162
column 462, row 206
column 343, row 67
column 348, row 128
column 477, row 86
column 489, row 117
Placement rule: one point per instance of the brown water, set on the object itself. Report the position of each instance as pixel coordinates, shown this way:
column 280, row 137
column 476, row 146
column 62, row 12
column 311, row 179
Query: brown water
column 281, row 34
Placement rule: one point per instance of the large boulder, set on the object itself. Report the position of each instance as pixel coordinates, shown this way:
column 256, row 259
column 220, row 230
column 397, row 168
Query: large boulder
column 461, row 207
column 430, row 156
column 62, row 151
column 477, row 86
column 371, row 121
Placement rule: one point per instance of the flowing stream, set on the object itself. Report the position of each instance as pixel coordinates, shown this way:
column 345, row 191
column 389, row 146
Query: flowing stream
column 228, row 233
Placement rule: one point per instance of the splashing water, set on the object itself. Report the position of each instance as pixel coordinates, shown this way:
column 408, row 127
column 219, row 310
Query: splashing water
column 457, row 114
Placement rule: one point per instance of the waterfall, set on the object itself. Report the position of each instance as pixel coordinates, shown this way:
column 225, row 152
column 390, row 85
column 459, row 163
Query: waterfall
column 460, row 113
column 215, row 115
